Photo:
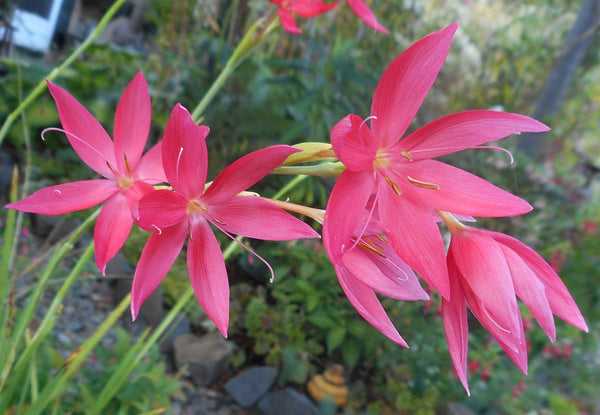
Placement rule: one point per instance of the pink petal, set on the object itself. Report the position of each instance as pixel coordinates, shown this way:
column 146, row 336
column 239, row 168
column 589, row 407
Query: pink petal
column 360, row 8
column 531, row 291
column 158, row 256
column 132, row 123
column 459, row 191
column 405, row 84
column 84, row 132
column 310, row 8
column 344, row 210
column 415, row 237
column 561, row 302
column 353, row 143
column 256, row 218
column 68, row 197
column 517, row 352
column 454, row 314
column 392, row 279
column 112, row 229
column 487, row 284
column 208, row 274
column 184, row 153
column 368, row 306
column 150, row 168
column 246, row 171
column 160, row 209
column 135, row 192
column 467, row 129
column 288, row 22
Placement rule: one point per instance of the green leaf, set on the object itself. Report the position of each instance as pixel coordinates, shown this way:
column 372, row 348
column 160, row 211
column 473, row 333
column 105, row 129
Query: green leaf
column 351, row 353
column 335, row 337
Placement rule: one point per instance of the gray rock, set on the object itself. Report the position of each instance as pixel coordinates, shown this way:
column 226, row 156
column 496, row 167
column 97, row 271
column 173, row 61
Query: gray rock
column 207, row 357
column 287, row 401
column 247, row 387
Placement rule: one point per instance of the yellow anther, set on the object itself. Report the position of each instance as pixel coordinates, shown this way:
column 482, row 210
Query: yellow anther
column 370, row 248
column 394, row 185
column 127, row 166
column 406, row 154
column 423, row 184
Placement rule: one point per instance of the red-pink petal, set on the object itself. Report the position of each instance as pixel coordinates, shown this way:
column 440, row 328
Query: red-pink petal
column 344, row 210
column 68, row 197
column 310, row 8
column 184, row 153
column 561, row 302
column 112, row 229
column 405, row 84
column 368, row 306
column 288, row 22
column 459, row 191
column 150, row 168
column 415, row 236
column 246, row 171
column 88, row 138
column 208, row 274
column 531, row 291
column 487, row 284
column 160, row 209
column 256, row 218
column 454, row 314
column 353, row 143
column 462, row 130
column 360, row 8
column 158, row 256
column 132, row 124
column 393, row 279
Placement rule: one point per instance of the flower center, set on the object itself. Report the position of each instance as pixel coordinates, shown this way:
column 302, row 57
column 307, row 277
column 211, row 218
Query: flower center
column 195, row 206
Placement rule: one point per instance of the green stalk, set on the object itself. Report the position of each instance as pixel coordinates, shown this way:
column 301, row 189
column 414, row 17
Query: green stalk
column 41, row 87
column 74, row 362
column 248, row 42
column 27, row 356
column 26, row 316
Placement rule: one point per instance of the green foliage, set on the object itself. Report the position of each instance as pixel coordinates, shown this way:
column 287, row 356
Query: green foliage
column 148, row 389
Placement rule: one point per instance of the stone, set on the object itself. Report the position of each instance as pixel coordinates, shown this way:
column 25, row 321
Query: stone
column 247, row 387
column 206, row 357
column 287, row 401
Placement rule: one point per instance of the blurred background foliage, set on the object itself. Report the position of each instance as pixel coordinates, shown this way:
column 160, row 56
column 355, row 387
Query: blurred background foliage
column 295, row 88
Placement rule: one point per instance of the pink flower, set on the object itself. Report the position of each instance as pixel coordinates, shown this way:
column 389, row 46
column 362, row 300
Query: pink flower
column 364, row 13
column 128, row 174
column 406, row 183
column 303, row 8
column 487, row 271
column 189, row 210
column 371, row 266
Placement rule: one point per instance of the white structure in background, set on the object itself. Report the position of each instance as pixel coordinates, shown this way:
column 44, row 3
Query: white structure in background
column 34, row 23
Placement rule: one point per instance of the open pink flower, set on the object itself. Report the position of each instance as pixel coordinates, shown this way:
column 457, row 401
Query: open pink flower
column 303, row 8
column 128, row 174
column 189, row 210
column 488, row 270
column 364, row 13
column 406, row 183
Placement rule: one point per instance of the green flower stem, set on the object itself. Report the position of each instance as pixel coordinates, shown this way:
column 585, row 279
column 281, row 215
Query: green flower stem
column 328, row 169
column 27, row 356
column 72, row 365
column 252, row 38
column 41, row 87
column 26, row 316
